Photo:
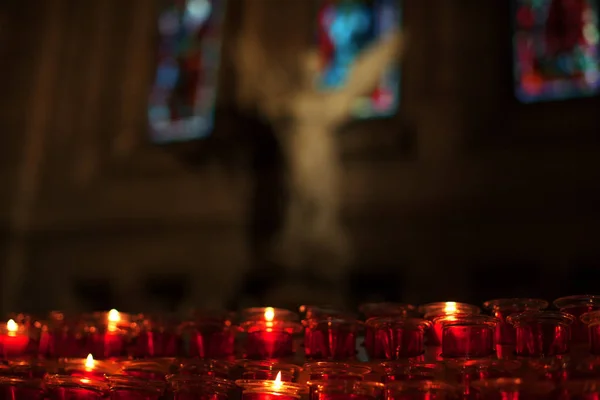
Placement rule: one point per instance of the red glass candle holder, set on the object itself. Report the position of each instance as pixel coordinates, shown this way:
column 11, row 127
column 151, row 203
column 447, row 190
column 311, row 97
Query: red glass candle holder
column 420, row 371
column 395, row 338
column 383, row 309
column 464, row 372
column 577, row 306
column 266, row 370
column 156, row 336
column 14, row 339
column 432, row 311
column 209, row 368
column 581, row 389
column 345, row 390
column 592, row 320
column 467, row 336
column 108, row 334
column 33, row 326
column 122, row 387
column 21, row 388
column 270, row 389
column 87, row 368
column 61, row 387
column 502, row 308
column 151, row 370
column 330, row 338
column 322, row 371
column 64, row 336
column 514, row 388
column 185, row 387
column 541, row 333
column 269, row 333
column 212, row 335
column 420, row 390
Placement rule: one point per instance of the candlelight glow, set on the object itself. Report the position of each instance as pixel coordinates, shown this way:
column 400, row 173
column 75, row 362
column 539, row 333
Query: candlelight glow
column 277, row 382
column 89, row 362
column 450, row 307
column 114, row 316
column 269, row 314
column 12, row 326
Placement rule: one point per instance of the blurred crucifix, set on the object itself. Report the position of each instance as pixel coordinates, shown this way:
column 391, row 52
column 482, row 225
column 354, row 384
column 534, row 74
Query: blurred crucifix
column 306, row 118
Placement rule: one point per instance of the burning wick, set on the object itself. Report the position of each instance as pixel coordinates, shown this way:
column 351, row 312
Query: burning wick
column 277, row 382
column 89, row 362
column 12, row 327
column 114, row 317
column 450, row 307
column 269, row 317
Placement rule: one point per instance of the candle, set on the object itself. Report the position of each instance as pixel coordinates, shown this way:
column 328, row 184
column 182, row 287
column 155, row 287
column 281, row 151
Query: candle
column 88, row 367
column 384, row 309
column 276, row 389
column 577, row 306
column 321, row 371
column 269, row 333
column 61, row 387
column 542, row 333
column 131, row 388
column 465, row 372
column 185, row 387
column 330, row 338
column 266, row 370
column 397, row 337
column 592, row 320
column 345, row 390
column 14, row 339
column 64, row 337
column 109, row 333
column 212, row 336
column 502, row 308
column 435, row 310
column 467, row 336
column 20, row 388
column 420, row 390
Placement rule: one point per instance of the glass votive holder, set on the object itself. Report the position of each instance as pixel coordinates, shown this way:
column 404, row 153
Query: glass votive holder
column 432, row 311
column 345, row 390
column 186, row 387
column 382, row 309
column 577, row 306
column 212, row 335
column 396, row 338
column 62, row 387
column 155, row 336
column 541, row 333
column 467, row 336
column 14, row 339
column 502, row 308
column 419, row 371
column 322, row 371
column 514, row 389
column 87, row 368
column 269, row 332
column 108, row 334
column 12, row 387
column 151, row 370
column 330, row 338
column 420, row 390
column 205, row 367
column 265, row 370
column 122, row 387
column 33, row 326
column 64, row 336
column 592, row 320
column 580, row 390
column 253, row 389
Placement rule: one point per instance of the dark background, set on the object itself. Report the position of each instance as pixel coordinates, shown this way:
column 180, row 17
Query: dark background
column 464, row 195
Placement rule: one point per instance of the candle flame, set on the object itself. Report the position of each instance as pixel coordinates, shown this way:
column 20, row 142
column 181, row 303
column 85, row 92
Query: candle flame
column 114, row 316
column 450, row 307
column 89, row 362
column 12, row 326
column 269, row 314
column 277, row 382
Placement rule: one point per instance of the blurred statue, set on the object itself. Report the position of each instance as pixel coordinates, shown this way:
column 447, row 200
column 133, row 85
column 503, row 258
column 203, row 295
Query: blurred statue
column 306, row 119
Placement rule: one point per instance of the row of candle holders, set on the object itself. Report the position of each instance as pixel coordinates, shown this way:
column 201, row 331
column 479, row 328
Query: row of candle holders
column 523, row 327
column 88, row 379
